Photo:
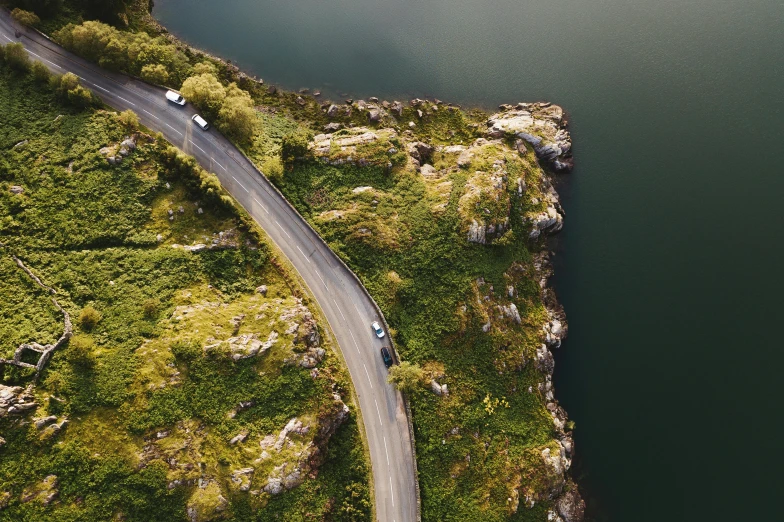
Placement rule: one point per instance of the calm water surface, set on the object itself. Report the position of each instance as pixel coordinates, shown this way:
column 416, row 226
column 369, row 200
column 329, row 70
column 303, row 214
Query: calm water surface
column 670, row 262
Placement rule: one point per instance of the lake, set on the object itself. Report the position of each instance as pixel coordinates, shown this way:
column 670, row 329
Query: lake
column 669, row 265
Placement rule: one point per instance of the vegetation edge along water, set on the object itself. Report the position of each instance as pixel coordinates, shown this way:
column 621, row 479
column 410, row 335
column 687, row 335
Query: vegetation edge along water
column 444, row 221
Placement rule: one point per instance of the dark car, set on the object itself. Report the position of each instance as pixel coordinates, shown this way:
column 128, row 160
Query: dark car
column 387, row 357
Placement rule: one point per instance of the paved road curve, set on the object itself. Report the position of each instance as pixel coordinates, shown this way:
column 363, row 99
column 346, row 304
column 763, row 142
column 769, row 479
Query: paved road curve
column 342, row 299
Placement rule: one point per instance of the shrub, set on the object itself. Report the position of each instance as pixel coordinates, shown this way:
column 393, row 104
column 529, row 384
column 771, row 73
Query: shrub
column 80, row 351
column 2, row 53
column 25, row 17
column 129, row 119
column 40, row 72
column 293, row 147
column 155, row 73
column 89, row 317
column 16, row 56
column 150, row 307
column 406, row 376
column 80, row 97
column 272, row 167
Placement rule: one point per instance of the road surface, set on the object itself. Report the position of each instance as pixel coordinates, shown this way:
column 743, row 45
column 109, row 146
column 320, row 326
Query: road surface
column 341, row 298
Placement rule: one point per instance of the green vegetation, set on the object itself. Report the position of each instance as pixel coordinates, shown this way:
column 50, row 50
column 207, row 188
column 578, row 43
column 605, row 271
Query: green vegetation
column 406, row 376
column 150, row 412
column 481, row 445
column 25, row 17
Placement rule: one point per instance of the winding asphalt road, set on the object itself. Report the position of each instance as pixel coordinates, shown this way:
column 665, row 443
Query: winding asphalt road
column 340, row 296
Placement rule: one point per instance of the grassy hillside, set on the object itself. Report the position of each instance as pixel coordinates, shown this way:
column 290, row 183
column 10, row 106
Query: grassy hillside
column 170, row 399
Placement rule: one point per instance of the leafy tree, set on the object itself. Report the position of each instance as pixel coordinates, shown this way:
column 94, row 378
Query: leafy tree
column 129, row 120
column 25, row 17
column 40, row 72
column 406, row 376
column 16, row 56
column 204, row 68
column 89, row 317
column 155, row 73
column 237, row 117
column 206, row 92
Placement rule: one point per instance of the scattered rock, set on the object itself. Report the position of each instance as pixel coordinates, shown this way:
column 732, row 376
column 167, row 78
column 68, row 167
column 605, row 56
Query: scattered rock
column 301, row 101
column 16, row 189
column 20, row 144
column 374, row 115
column 241, row 478
column 262, row 290
column 332, row 127
column 240, row 437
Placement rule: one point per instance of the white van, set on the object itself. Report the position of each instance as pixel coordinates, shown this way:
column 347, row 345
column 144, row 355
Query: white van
column 175, row 97
column 201, row 122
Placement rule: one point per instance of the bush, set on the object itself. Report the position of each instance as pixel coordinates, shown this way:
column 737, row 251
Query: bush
column 89, row 317
column 155, row 73
column 293, row 147
column 150, row 307
column 272, row 167
column 25, row 17
column 80, row 351
column 406, row 376
column 80, row 97
column 40, row 72
column 16, row 56
column 129, row 120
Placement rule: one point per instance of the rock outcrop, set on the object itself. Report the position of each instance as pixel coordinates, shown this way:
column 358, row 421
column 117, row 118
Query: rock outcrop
column 540, row 124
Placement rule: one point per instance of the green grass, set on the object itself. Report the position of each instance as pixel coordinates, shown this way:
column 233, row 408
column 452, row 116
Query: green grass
column 101, row 236
column 406, row 239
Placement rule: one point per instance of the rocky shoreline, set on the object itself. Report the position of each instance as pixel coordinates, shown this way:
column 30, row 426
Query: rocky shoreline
column 538, row 133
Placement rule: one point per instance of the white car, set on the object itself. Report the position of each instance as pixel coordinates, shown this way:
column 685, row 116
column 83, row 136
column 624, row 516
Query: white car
column 175, row 97
column 201, row 122
column 376, row 328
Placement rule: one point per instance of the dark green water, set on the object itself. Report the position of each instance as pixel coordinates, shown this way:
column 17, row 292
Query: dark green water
column 670, row 262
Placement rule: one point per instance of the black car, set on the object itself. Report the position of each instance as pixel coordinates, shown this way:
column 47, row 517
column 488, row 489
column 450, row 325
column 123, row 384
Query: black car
column 387, row 357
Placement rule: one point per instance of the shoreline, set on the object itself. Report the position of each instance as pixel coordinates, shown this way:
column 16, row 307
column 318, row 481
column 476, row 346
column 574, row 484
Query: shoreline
column 554, row 153
column 570, row 497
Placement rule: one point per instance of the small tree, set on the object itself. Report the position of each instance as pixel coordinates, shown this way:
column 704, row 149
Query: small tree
column 40, row 72
column 204, row 68
column 25, row 17
column 406, row 376
column 155, row 73
column 206, row 92
column 16, row 56
column 89, row 317
column 237, row 117
column 129, row 120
